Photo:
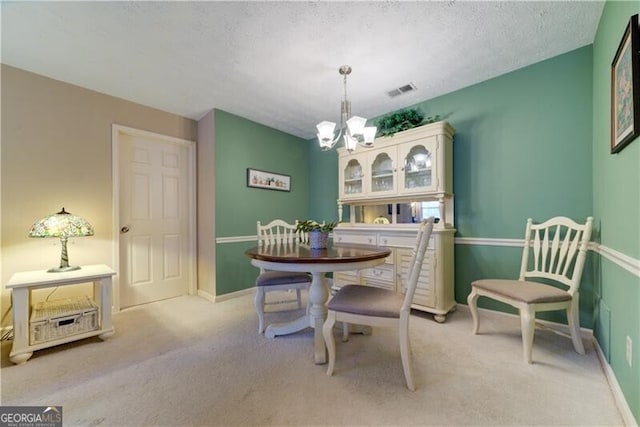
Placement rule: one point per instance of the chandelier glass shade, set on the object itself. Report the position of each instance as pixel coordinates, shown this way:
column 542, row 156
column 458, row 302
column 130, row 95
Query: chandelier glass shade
column 353, row 129
column 62, row 225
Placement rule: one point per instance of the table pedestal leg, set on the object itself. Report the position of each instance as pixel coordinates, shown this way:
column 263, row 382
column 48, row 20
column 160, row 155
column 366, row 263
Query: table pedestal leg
column 318, row 295
column 275, row 329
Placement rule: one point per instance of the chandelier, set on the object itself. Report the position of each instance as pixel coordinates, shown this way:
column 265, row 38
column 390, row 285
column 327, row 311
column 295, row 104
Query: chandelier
column 352, row 129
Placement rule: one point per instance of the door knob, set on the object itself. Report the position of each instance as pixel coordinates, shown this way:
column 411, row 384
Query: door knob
column 124, row 229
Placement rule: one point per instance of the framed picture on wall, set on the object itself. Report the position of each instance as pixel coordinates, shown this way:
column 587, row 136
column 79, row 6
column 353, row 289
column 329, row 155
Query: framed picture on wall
column 625, row 88
column 268, row 180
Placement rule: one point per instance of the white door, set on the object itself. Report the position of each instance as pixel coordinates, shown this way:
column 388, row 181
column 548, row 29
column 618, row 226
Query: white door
column 155, row 218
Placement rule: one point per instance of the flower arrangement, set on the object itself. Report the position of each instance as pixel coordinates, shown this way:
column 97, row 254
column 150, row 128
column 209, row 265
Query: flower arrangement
column 311, row 225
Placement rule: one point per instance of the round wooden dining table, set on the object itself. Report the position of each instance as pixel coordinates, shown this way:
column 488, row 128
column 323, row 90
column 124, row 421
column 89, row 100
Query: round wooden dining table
column 318, row 262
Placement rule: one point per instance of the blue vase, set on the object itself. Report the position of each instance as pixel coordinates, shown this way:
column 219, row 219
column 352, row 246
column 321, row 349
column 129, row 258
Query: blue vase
column 318, row 239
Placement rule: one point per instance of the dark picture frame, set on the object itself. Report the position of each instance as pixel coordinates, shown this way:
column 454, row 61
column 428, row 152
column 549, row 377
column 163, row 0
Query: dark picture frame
column 268, row 180
column 625, row 88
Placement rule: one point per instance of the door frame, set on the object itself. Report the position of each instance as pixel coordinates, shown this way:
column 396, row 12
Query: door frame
column 116, row 132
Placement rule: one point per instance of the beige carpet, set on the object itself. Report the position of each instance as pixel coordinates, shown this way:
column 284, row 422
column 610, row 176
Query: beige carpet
column 187, row 362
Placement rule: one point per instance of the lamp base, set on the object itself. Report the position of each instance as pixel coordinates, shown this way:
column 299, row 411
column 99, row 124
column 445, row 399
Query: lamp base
column 63, row 269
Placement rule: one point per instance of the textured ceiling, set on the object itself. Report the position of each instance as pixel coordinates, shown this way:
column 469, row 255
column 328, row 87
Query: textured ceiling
column 277, row 62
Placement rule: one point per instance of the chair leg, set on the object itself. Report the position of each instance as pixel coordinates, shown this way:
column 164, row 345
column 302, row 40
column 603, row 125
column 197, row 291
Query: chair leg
column 472, row 301
column 405, row 352
column 345, row 331
column 573, row 317
column 527, row 322
column 259, row 302
column 327, row 332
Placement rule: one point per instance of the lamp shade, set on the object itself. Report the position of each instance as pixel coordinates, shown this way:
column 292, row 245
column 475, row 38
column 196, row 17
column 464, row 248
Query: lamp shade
column 356, row 125
column 325, row 132
column 370, row 134
column 62, row 225
column 350, row 142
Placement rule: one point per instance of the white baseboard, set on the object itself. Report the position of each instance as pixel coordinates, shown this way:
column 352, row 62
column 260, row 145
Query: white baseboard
column 226, row 297
column 206, row 295
column 621, row 402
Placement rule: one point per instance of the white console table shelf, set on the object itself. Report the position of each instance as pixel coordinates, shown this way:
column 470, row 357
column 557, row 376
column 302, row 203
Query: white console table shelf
column 21, row 285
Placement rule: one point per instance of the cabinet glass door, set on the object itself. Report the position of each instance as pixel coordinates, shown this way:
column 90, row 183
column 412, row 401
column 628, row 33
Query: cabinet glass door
column 418, row 169
column 382, row 174
column 352, row 179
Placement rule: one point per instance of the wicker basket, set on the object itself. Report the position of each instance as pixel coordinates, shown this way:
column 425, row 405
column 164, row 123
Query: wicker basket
column 51, row 320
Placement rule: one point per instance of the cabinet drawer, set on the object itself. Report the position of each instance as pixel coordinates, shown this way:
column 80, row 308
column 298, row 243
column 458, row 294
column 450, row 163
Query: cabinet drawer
column 401, row 241
column 391, row 286
column 383, row 272
column 361, row 239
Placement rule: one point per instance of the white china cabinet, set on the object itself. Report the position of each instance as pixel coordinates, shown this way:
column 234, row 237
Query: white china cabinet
column 384, row 192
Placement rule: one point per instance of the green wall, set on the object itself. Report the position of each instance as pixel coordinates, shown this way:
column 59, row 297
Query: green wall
column 240, row 144
column 616, row 202
column 323, row 168
column 522, row 149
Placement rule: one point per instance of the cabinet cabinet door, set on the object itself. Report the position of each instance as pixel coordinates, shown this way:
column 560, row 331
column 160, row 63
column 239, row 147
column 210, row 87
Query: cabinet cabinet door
column 418, row 166
column 351, row 177
column 425, row 291
column 382, row 166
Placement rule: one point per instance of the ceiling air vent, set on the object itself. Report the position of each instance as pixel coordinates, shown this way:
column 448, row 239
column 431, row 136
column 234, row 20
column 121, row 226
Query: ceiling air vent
column 401, row 90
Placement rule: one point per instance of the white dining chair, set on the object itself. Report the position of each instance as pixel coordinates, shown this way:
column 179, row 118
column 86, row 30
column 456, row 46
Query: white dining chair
column 278, row 232
column 555, row 252
column 370, row 306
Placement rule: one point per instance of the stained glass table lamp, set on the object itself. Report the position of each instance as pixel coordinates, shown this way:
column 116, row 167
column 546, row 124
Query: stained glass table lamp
column 62, row 225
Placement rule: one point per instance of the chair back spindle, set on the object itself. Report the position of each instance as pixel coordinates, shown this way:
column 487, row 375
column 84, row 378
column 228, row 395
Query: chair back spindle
column 278, row 232
column 556, row 250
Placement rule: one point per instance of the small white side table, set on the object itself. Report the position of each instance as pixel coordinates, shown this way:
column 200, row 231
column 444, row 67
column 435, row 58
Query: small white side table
column 21, row 285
